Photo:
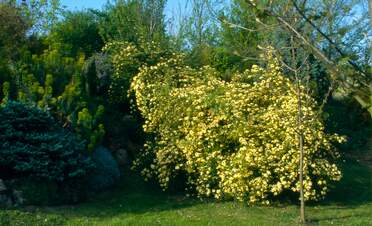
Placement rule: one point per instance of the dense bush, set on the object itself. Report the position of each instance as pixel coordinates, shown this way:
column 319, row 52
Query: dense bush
column 232, row 139
column 343, row 116
column 33, row 145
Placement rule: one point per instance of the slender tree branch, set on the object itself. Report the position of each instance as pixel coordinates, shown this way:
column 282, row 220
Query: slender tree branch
column 352, row 63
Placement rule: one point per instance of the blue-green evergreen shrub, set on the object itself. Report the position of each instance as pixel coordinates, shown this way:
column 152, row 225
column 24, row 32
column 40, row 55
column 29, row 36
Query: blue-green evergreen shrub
column 33, row 144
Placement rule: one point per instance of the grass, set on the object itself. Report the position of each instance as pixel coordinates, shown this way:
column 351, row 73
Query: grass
column 134, row 203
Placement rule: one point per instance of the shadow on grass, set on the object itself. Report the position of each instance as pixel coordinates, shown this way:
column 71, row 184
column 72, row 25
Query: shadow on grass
column 354, row 189
column 133, row 196
column 333, row 218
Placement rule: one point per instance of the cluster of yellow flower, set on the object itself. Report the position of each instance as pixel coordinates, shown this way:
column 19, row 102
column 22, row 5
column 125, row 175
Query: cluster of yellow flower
column 232, row 139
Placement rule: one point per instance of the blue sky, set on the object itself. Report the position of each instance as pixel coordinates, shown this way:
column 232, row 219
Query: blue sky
column 81, row 4
column 97, row 4
column 172, row 9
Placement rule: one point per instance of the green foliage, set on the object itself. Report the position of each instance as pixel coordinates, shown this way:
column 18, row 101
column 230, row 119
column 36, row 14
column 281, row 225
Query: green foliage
column 120, row 21
column 133, row 21
column 53, row 76
column 78, row 33
column 6, row 92
column 41, row 14
column 65, row 96
column 54, row 61
column 200, row 29
column 47, row 98
column 32, row 144
column 88, row 126
column 232, row 139
column 72, row 107
column 127, row 58
column 12, row 22
column 344, row 117
column 13, row 28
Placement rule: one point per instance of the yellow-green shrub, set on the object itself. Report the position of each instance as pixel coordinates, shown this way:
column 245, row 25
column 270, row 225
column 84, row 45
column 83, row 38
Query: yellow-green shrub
column 232, row 139
column 127, row 58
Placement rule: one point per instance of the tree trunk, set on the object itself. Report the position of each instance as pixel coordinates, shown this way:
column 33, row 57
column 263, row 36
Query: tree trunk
column 302, row 205
column 301, row 153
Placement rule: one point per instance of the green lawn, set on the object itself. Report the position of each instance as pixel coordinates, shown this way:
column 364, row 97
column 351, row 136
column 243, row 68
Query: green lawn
column 133, row 203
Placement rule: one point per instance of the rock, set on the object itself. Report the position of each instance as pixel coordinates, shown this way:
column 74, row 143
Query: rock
column 107, row 172
column 122, row 157
column 17, row 198
column 5, row 200
column 2, row 186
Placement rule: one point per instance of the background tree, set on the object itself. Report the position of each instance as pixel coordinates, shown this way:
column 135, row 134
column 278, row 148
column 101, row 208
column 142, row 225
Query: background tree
column 133, row 21
column 78, row 33
column 354, row 78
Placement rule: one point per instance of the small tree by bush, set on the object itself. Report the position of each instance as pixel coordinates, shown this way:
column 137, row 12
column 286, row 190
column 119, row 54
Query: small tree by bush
column 231, row 138
column 32, row 144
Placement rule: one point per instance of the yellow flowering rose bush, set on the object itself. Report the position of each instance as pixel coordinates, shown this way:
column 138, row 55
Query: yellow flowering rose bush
column 233, row 139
